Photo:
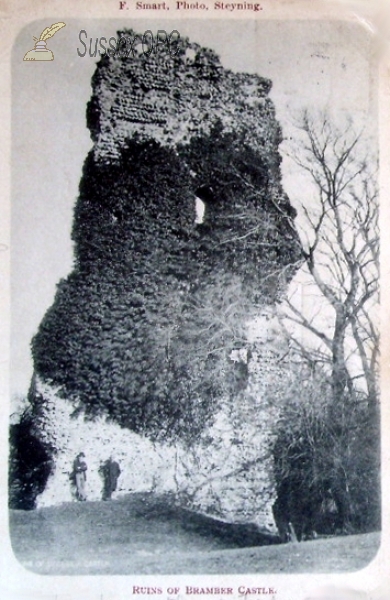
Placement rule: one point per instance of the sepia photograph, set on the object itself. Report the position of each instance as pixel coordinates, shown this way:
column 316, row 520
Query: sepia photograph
column 195, row 322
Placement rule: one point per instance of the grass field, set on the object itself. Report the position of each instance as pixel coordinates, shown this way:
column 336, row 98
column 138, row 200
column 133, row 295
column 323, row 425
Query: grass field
column 142, row 534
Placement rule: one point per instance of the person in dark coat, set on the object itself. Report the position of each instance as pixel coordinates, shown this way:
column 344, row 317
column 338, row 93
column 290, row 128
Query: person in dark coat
column 110, row 471
column 79, row 476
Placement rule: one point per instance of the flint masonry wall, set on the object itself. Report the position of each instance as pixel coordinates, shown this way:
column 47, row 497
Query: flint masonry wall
column 228, row 473
column 144, row 468
column 174, row 98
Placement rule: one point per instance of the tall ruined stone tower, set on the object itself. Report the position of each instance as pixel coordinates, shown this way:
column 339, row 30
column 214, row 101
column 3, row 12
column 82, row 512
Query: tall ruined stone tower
column 148, row 336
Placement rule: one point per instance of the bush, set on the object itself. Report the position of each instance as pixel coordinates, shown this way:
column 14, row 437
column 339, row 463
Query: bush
column 326, row 469
column 30, row 464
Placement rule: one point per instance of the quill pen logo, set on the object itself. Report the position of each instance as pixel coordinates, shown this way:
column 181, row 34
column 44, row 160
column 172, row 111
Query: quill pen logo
column 41, row 52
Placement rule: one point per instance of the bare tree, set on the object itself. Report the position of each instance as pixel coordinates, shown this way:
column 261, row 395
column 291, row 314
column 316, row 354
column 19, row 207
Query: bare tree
column 340, row 255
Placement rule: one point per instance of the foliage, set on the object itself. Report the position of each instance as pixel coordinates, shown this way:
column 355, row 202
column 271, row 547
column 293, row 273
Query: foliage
column 246, row 230
column 327, row 455
column 30, row 463
column 327, row 470
column 142, row 330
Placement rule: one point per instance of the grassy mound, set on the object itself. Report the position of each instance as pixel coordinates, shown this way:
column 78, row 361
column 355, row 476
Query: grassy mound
column 142, row 534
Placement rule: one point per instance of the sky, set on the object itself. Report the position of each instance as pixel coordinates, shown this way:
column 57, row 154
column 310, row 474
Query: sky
column 312, row 64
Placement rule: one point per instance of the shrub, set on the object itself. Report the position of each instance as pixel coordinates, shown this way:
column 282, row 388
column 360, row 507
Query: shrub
column 30, row 464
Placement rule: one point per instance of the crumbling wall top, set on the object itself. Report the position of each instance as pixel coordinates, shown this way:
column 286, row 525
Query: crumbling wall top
column 174, row 97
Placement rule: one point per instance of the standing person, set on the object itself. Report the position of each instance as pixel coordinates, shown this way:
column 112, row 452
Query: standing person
column 111, row 471
column 80, row 476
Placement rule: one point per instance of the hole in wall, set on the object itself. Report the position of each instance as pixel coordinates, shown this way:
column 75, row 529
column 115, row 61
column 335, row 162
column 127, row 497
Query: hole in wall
column 200, row 209
column 204, row 195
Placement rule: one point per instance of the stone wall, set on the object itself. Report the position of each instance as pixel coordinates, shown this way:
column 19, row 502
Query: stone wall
column 175, row 98
column 144, row 468
column 174, row 101
column 227, row 475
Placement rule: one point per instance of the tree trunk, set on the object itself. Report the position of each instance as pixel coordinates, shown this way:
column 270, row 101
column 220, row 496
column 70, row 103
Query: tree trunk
column 340, row 373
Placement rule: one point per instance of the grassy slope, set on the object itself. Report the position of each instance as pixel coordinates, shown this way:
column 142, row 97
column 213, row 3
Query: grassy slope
column 143, row 535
